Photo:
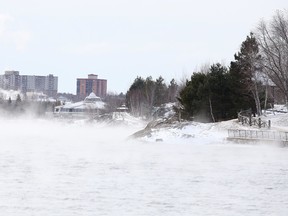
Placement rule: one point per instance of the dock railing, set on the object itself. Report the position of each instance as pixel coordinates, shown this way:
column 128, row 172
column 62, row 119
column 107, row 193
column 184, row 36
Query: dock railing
column 281, row 136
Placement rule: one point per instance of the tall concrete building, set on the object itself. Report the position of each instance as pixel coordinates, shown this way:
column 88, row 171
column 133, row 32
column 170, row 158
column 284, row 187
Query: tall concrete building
column 11, row 80
column 92, row 84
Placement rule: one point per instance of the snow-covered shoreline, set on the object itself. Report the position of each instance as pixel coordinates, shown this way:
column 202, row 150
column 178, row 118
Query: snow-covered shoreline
column 165, row 129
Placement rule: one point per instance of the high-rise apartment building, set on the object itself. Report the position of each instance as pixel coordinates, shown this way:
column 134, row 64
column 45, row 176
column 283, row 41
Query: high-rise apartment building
column 11, row 80
column 92, row 84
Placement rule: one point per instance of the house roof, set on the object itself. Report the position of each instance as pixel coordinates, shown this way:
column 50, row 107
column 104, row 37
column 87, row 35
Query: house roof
column 90, row 102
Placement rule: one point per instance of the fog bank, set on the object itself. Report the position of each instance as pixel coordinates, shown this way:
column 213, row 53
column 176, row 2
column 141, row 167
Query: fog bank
column 56, row 167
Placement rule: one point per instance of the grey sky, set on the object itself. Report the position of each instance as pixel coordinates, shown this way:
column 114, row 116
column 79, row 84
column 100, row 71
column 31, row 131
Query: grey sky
column 119, row 40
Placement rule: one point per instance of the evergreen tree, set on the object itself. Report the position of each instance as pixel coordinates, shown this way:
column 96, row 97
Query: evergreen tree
column 193, row 97
column 145, row 94
column 150, row 87
column 160, row 92
column 172, row 91
column 240, row 97
column 136, row 98
column 218, row 95
column 248, row 66
column 207, row 96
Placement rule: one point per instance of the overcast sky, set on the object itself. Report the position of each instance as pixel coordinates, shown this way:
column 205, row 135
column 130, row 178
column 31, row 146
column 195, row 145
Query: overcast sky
column 122, row 39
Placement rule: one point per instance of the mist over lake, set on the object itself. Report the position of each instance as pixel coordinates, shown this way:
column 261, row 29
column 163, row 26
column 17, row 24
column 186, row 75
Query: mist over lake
column 60, row 168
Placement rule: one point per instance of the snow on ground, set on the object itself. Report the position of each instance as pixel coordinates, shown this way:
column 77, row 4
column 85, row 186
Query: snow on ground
column 211, row 132
column 124, row 118
column 193, row 132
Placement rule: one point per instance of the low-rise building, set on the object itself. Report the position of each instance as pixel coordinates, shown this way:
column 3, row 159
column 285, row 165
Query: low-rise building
column 92, row 105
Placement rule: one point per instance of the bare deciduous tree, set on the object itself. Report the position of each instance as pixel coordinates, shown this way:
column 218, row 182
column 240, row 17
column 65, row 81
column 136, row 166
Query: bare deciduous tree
column 273, row 41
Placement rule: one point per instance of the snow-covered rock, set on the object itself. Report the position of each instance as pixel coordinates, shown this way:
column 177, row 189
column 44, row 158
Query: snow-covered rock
column 171, row 130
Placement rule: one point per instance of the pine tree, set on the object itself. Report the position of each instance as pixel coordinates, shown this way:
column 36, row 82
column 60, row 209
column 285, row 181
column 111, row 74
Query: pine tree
column 160, row 92
column 207, row 96
column 136, row 97
column 217, row 85
column 248, row 64
column 172, row 91
column 193, row 97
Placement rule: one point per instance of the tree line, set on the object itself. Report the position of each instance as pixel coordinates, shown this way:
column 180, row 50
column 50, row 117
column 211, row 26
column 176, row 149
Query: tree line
column 145, row 94
column 19, row 107
column 221, row 91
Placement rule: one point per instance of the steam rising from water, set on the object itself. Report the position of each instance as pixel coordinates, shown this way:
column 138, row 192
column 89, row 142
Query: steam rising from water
column 60, row 168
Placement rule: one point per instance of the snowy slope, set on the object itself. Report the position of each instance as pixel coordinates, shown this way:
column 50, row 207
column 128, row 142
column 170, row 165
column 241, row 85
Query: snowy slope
column 168, row 130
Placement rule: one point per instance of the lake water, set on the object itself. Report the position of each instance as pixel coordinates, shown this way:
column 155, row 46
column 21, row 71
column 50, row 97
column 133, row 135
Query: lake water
column 49, row 168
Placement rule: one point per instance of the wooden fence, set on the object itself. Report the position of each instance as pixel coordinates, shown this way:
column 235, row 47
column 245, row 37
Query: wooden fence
column 246, row 119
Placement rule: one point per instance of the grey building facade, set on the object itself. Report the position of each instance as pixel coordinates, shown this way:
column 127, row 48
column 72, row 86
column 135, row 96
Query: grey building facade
column 12, row 80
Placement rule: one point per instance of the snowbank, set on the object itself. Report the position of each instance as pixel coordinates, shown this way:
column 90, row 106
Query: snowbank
column 170, row 131
column 185, row 132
